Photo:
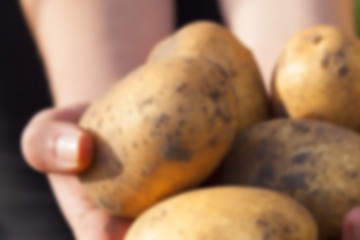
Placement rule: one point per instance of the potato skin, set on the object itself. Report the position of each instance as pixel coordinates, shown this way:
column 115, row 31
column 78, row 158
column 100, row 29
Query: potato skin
column 315, row 162
column 211, row 41
column 225, row 213
column 318, row 77
column 162, row 129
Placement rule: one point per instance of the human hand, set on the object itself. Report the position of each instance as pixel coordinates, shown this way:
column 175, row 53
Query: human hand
column 53, row 144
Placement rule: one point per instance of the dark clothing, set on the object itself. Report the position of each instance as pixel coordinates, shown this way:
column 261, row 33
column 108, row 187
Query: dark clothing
column 28, row 210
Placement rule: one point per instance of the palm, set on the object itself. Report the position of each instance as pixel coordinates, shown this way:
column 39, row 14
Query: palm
column 86, row 220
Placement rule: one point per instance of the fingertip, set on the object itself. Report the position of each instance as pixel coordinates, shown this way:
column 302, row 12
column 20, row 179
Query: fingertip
column 56, row 147
column 85, row 151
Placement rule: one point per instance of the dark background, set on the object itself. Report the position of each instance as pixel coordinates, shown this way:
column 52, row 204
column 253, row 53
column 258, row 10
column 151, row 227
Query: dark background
column 27, row 207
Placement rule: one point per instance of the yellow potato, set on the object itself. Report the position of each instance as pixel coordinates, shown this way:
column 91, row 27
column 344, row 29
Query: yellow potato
column 318, row 77
column 162, row 129
column 226, row 213
column 216, row 44
column 315, row 162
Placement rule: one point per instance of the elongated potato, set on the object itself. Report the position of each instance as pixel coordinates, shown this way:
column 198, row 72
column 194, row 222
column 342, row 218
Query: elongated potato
column 315, row 162
column 215, row 43
column 318, row 77
column 225, row 213
column 162, row 129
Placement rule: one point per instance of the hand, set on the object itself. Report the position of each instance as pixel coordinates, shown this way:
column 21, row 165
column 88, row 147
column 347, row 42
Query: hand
column 52, row 143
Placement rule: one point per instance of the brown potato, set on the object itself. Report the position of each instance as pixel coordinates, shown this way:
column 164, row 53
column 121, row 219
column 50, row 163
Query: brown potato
column 315, row 162
column 225, row 213
column 162, row 129
column 318, row 77
column 215, row 43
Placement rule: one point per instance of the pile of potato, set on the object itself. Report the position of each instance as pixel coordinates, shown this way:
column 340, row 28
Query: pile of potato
column 198, row 110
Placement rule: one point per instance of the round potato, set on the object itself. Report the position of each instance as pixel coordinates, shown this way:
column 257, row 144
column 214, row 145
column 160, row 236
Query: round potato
column 225, row 213
column 215, row 43
column 318, row 77
column 315, row 162
column 162, row 129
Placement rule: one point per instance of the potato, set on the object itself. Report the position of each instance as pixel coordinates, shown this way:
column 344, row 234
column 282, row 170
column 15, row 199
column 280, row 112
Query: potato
column 162, row 129
column 215, row 43
column 318, row 77
column 225, row 213
column 315, row 162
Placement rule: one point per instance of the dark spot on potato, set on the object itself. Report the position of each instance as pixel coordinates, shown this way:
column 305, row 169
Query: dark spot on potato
column 191, row 130
column 225, row 117
column 146, row 102
column 299, row 127
column 204, row 109
column 354, row 174
column 342, row 71
column 325, row 60
column 314, row 192
column 144, row 172
column 294, row 181
column 213, row 141
column 287, row 230
column 180, row 109
column 262, row 222
column 145, row 142
column 269, row 233
column 181, row 87
column 300, row 158
column 134, row 145
column 181, row 122
column 174, row 151
column 353, row 201
column 223, row 82
column 313, row 162
column 215, row 95
column 178, row 133
column 119, row 165
column 169, row 137
column 265, row 175
column 161, row 120
column 341, row 54
column 316, row 39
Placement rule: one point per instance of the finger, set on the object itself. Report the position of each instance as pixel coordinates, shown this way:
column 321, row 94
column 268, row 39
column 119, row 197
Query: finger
column 351, row 228
column 52, row 141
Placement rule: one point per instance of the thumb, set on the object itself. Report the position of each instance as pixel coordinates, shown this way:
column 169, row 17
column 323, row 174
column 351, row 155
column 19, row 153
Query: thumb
column 52, row 142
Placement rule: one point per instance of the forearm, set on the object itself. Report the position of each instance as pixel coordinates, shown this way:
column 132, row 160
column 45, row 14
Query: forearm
column 265, row 26
column 88, row 45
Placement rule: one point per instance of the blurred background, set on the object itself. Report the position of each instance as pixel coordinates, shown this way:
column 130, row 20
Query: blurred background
column 27, row 208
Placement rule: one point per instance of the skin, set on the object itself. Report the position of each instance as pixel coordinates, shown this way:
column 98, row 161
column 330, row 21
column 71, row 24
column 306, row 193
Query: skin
column 80, row 67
